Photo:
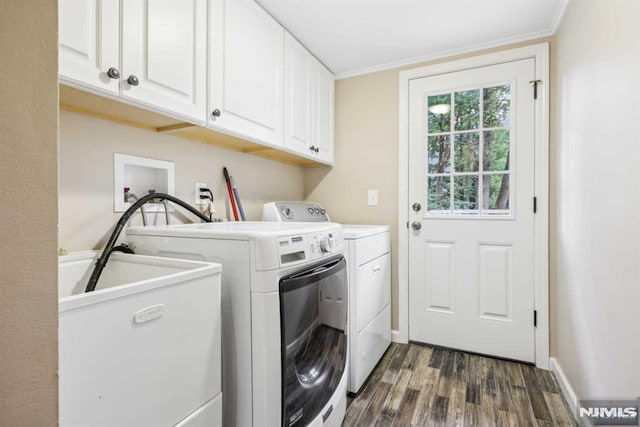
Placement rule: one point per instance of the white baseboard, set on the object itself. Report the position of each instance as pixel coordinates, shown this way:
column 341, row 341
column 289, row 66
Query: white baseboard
column 396, row 337
column 567, row 391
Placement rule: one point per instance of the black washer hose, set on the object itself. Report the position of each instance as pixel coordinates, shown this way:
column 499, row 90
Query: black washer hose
column 108, row 249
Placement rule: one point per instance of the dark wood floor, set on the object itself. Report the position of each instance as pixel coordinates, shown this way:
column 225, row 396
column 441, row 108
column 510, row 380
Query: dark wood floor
column 424, row 386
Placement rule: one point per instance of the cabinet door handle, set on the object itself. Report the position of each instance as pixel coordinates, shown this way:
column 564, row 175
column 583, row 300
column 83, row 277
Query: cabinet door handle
column 316, row 149
column 376, row 268
column 113, row 73
column 312, row 148
column 215, row 113
column 133, row 80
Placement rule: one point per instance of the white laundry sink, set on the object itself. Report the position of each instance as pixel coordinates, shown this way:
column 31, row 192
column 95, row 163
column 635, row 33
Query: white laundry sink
column 144, row 347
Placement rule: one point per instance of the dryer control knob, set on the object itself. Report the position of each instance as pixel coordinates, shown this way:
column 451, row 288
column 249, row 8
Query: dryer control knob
column 325, row 245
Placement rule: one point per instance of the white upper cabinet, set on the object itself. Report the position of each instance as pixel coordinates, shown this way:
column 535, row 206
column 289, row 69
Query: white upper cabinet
column 164, row 50
column 163, row 45
column 89, row 43
column 324, row 113
column 298, row 96
column 308, row 103
column 246, row 71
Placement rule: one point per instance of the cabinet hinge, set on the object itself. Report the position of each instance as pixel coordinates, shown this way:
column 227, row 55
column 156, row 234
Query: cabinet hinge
column 407, row 224
column 535, row 318
column 535, row 204
column 535, row 87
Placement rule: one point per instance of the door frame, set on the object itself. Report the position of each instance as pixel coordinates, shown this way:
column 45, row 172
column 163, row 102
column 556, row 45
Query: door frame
column 540, row 52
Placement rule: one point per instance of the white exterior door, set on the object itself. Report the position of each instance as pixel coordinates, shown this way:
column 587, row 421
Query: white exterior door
column 246, row 71
column 164, row 50
column 471, row 240
column 89, row 43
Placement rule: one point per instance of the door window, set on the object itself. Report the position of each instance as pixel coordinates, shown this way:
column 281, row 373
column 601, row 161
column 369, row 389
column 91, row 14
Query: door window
column 468, row 149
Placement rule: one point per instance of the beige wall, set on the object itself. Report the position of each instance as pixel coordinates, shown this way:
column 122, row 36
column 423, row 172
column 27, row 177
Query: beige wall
column 87, row 146
column 597, row 170
column 366, row 140
column 29, row 192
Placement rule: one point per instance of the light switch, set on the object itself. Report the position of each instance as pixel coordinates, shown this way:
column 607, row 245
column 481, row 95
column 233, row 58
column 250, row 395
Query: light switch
column 372, row 197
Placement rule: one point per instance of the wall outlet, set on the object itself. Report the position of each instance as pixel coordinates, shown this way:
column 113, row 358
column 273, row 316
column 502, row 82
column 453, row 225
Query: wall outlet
column 372, row 197
column 197, row 187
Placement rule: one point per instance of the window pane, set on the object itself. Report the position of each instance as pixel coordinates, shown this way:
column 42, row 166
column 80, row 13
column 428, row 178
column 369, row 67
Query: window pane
column 495, row 193
column 439, row 111
column 497, row 106
column 439, row 154
column 467, row 109
column 439, row 193
column 465, row 196
column 466, row 152
column 496, row 150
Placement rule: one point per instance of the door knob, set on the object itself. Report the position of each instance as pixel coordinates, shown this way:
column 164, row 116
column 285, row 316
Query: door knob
column 133, row 80
column 416, row 207
column 416, row 225
column 113, row 73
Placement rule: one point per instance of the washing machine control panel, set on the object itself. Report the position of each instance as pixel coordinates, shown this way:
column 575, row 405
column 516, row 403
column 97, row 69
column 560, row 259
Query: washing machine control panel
column 308, row 246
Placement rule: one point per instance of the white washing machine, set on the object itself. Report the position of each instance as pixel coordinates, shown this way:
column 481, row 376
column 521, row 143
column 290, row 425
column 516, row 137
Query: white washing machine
column 368, row 254
column 284, row 315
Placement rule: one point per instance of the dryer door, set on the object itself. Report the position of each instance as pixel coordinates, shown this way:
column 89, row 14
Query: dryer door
column 313, row 317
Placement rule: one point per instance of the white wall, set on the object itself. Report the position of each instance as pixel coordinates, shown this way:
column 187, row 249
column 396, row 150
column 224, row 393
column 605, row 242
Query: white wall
column 597, row 169
column 87, row 146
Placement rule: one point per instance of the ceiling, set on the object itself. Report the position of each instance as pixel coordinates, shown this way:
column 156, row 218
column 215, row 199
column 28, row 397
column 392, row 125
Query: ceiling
column 354, row 37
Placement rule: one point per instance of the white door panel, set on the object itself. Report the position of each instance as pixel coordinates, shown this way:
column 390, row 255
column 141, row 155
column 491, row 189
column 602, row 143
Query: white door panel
column 471, row 168
column 164, row 47
column 246, row 71
column 325, row 83
column 89, row 42
column 298, row 85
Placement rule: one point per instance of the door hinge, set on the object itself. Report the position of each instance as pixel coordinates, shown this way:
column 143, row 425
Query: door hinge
column 535, row 318
column 535, row 87
column 535, row 204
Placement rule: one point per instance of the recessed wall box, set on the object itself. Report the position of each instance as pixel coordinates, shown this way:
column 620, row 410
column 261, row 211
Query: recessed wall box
column 140, row 175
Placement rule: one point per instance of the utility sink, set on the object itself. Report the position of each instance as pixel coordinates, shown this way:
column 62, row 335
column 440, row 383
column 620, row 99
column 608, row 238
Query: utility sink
column 144, row 347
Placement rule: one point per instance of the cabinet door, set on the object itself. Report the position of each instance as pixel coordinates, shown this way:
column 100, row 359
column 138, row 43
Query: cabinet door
column 324, row 99
column 246, row 71
column 89, row 43
column 298, row 96
column 164, row 49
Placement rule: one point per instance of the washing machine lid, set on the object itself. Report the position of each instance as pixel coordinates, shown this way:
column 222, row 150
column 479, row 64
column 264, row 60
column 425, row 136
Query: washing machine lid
column 246, row 230
column 354, row 231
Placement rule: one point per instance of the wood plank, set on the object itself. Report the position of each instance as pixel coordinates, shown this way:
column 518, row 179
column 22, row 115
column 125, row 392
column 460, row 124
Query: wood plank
column 523, row 410
column 439, row 409
column 393, row 370
column 437, row 356
column 515, row 375
column 474, row 380
column 560, row 413
column 420, row 370
column 536, row 397
column 372, row 412
column 392, row 404
column 407, row 407
column 547, row 381
column 457, row 401
column 472, row 415
column 411, row 357
column 425, row 399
